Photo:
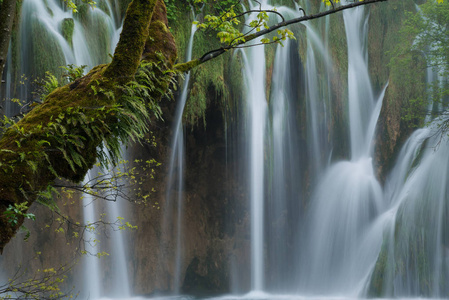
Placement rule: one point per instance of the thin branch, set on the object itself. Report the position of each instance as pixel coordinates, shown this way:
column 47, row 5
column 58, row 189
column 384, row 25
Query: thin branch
column 185, row 67
column 259, row 10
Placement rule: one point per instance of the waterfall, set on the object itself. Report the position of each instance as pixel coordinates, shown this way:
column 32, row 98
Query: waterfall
column 336, row 256
column 318, row 226
column 117, row 249
column 46, row 27
column 316, row 97
column 254, row 71
column 176, row 168
column 360, row 92
column 92, row 275
column 7, row 103
column 121, row 286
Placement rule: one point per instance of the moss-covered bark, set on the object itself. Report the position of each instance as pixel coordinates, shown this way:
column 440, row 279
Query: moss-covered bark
column 75, row 119
column 7, row 12
column 132, row 40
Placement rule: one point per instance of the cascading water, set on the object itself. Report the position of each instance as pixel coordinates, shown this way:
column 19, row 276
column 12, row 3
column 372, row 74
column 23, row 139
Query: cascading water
column 328, row 235
column 284, row 165
column 176, row 168
column 417, row 190
column 254, row 70
column 92, row 275
column 316, row 88
column 348, row 197
column 46, row 27
column 117, row 249
column 332, row 244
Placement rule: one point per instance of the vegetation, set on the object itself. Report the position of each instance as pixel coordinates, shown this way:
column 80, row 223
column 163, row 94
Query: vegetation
column 61, row 137
column 76, row 118
column 425, row 33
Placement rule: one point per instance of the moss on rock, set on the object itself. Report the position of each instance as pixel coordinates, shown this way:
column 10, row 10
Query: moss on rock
column 406, row 87
column 43, row 43
column 67, row 28
column 384, row 23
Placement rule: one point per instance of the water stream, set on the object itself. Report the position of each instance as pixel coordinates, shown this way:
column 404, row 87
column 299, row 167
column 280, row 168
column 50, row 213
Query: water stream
column 175, row 182
column 92, row 286
column 318, row 226
column 254, row 76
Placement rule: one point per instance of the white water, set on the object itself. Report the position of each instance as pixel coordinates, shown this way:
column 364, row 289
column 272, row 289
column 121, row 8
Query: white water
column 333, row 250
column 92, row 274
column 347, row 197
column 176, row 168
column 317, row 111
column 44, row 48
column 338, row 258
column 117, row 249
column 118, row 255
column 284, row 167
column 43, row 19
column 254, row 76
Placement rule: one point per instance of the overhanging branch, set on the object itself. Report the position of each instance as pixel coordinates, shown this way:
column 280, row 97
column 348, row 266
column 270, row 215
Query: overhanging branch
column 185, row 67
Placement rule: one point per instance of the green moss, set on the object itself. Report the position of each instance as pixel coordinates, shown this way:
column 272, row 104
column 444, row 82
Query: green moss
column 338, row 47
column 98, row 39
column 180, row 27
column 132, row 40
column 235, row 80
column 124, row 5
column 67, row 27
column 83, row 13
column 187, row 66
column 384, row 23
column 339, row 86
column 270, row 53
column 43, row 43
column 380, row 279
column 15, row 49
column 208, row 85
column 208, row 80
column 402, row 106
column 101, row 4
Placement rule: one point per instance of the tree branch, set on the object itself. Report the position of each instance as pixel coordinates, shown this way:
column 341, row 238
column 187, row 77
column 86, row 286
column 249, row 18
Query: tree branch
column 185, row 67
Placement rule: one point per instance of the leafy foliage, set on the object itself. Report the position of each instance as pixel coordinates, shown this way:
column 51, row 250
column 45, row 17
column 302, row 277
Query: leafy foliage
column 68, row 133
column 44, row 284
column 426, row 33
column 228, row 24
column 73, row 7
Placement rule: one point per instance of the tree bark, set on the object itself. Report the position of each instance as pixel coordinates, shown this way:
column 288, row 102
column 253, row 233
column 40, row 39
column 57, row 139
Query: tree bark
column 7, row 12
column 31, row 157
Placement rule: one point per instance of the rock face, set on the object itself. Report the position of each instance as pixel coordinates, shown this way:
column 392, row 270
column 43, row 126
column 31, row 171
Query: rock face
column 212, row 201
column 405, row 76
column 393, row 128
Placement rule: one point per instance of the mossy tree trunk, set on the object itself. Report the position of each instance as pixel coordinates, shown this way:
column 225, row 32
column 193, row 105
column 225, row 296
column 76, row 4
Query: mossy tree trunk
column 7, row 12
column 32, row 156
